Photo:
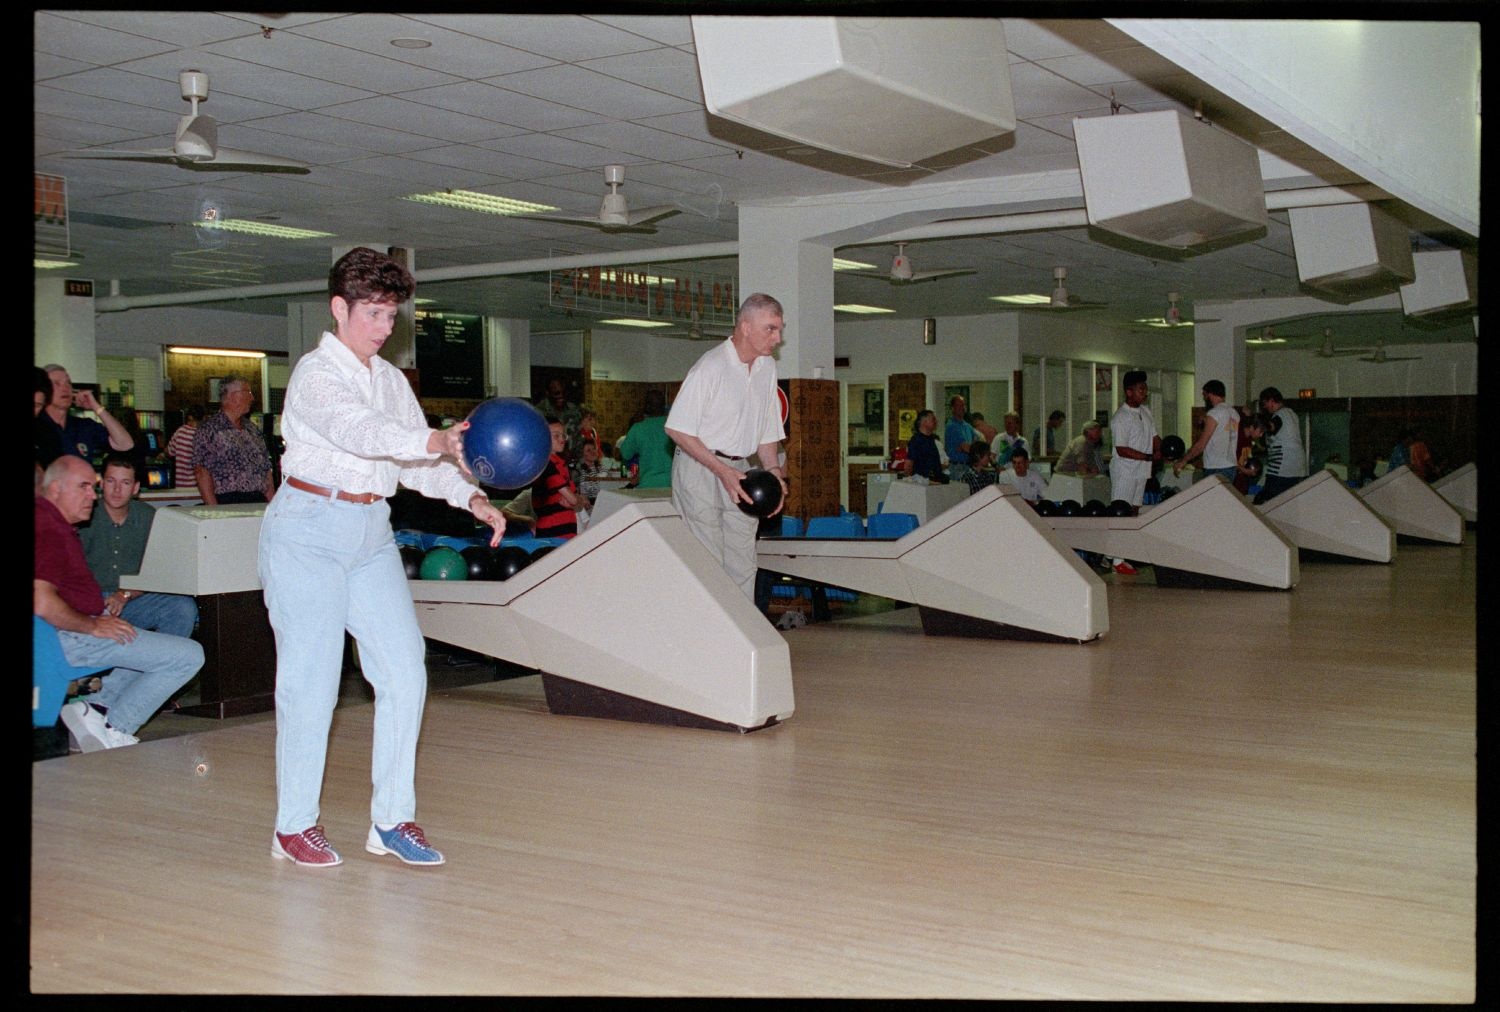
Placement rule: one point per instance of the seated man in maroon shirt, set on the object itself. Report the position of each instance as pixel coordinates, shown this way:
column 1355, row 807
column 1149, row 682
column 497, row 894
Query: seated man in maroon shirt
column 149, row 667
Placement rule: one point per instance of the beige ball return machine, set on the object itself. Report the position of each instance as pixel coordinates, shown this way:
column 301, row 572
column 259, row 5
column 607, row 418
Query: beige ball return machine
column 1321, row 514
column 1413, row 508
column 1205, row 536
column 631, row 620
column 1461, row 488
column 952, row 569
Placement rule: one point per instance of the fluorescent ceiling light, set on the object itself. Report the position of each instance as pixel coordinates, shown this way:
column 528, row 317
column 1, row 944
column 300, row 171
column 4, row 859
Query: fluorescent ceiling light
column 631, row 322
column 1021, row 300
column 1265, row 340
column 260, row 228
column 469, row 200
column 840, row 264
column 217, row 352
column 1161, row 321
column 44, row 265
column 854, row 307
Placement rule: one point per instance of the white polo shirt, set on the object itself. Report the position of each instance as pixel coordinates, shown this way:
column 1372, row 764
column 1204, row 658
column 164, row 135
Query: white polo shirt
column 731, row 407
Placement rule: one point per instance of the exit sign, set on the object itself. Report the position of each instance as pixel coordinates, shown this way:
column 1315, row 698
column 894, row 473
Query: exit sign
column 1307, row 392
column 74, row 286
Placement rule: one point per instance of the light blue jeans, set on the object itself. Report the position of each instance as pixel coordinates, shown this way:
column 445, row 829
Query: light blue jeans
column 328, row 566
column 147, row 671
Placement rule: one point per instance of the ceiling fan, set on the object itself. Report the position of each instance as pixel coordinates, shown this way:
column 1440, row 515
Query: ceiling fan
column 614, row 213
column 1380, row 357
column 196, row 145
column 694, row 331
column 902, row 273
column 1327, row 350
column 1061, row 299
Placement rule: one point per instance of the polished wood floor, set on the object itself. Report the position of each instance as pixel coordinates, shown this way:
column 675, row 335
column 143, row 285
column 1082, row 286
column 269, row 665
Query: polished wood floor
column 1233, row 795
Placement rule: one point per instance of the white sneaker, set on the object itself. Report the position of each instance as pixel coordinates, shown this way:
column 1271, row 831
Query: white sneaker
column 90, row 730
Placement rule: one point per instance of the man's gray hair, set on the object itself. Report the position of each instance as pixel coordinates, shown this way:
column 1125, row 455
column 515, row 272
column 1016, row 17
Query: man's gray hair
column 757, row 302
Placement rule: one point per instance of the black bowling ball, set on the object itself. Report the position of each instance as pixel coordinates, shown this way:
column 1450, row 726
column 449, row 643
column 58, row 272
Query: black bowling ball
column 1046, row 507
column 1172, row 448
column 1121, row 508
column 481, row 562
column 1069, row 508
column 541, row 552
column 510, row 560
column 1094, row 508
column 411, row 561
column 764, row 490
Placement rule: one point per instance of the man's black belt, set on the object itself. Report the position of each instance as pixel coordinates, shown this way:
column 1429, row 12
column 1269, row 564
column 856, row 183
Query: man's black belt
column 727, row 456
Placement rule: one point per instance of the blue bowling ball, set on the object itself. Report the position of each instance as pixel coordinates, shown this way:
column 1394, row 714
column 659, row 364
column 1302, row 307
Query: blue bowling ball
column 507, row 442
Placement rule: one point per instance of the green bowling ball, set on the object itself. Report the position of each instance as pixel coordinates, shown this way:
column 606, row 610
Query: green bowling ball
column 443, row 563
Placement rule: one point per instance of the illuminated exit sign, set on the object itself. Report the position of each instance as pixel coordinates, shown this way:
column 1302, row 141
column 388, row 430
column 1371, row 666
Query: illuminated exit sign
column 1307, row 392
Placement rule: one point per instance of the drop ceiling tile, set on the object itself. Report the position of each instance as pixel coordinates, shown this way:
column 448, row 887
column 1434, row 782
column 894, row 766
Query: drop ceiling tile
column 322, row 129
column 138, row 119
column 325, row 61
column 666, row 70
column 567, row 38
column 180, row 28
column 78, row 40
column 399, row 114
column 632, row 138
column 1038, row 92
column 475, row 98
column 80, row 133
column 1047, row 38
column 48, row 67
column 667, row 30
column 152, row 92
column 228, row 76
column 497, row 165
column 586, row 89
column 1133, row 63
column 450, row 52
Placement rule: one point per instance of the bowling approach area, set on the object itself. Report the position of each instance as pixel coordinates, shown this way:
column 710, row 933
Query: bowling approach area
column 1229, row 796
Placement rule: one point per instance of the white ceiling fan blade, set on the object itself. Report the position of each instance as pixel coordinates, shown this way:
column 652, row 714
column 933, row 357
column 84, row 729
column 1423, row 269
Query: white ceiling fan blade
column 233, row 160
column 125, row 156
column 648, row 215
column 933, row 275
column 589, row 222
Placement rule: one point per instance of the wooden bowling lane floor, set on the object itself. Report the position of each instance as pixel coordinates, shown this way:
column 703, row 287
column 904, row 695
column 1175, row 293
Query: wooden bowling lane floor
column 1233, row 795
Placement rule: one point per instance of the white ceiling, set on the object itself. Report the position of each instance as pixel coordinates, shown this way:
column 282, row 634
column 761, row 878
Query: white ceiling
column 533, row 107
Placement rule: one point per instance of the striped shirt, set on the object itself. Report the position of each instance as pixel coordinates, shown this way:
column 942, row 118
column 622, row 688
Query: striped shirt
column 553, row 519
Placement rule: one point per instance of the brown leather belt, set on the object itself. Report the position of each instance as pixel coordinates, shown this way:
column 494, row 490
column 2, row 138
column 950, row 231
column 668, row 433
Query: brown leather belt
column 727, row 456
column 364, row 498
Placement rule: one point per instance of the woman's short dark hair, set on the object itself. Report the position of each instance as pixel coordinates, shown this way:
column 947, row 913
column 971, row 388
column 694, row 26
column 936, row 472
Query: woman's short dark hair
column 916, row 425
column 362, row 274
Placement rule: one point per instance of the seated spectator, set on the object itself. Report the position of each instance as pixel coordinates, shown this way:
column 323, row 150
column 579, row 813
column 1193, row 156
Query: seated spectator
column 588, row 432
column 1413, row 452
column 1082, row 456
column 1022, row 478
column 587, row 471
column 114, row 544
column 980, row 471
column 554, row 497
column 148, row 667
column 1046, row 439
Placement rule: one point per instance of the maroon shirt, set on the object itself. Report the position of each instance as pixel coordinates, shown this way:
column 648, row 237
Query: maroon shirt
column 60, row 560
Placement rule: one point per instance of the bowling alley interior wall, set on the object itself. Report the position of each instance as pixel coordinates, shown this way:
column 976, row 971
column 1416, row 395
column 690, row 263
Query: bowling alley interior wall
column 812, row 448
column 615, row 403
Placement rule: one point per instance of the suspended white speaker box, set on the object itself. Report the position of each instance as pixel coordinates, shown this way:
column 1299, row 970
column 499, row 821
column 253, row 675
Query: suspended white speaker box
column 1447, row 281
column 1351, row 251
column 888, row 90
column 1165, row 179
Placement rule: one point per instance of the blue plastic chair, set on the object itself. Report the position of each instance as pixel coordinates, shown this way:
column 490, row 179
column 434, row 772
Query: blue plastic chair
column 50, row 673
column 846, row 526
column 891, row 525
column 791, row 527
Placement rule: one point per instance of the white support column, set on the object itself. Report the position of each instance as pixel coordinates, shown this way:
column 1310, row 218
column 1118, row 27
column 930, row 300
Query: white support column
column 63, row 330
column 799, row 274
column 507, row 357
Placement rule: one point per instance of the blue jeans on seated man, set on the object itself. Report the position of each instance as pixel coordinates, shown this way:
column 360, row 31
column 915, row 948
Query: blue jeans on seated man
column 147, row 671
column 173, row 614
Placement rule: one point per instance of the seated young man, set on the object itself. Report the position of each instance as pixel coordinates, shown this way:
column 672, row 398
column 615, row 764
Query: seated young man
column 148, row 667
column 1022, row 478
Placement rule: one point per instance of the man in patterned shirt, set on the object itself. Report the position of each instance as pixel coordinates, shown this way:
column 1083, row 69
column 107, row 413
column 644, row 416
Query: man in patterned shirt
column 230, row 458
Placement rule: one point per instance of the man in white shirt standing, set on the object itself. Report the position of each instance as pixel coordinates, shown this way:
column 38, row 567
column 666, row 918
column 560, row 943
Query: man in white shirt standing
column 1221, row 426
column 1286, row 463
column 328, row 561
column 1137, row 449
column 726, row 412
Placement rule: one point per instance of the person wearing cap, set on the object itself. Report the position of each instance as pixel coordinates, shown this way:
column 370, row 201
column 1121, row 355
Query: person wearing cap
column 1217, row 443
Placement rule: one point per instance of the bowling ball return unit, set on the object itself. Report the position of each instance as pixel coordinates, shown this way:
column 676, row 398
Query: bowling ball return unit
column 1413, row 508
column 1207, row 536
column 668, row 639
column 1038, row 589
column 1461, row 488
column 1323, row 515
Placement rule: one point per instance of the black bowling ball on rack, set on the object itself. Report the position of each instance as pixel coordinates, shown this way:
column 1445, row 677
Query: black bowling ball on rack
column 510, row 560
column 1094, row 508
column 481, row 562
column 1046, row 508
column 411, row 561
column 1121, row 508
column 1070, row 508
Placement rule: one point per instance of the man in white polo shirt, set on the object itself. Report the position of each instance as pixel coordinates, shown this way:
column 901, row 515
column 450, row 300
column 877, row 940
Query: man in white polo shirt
column 725, row 413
